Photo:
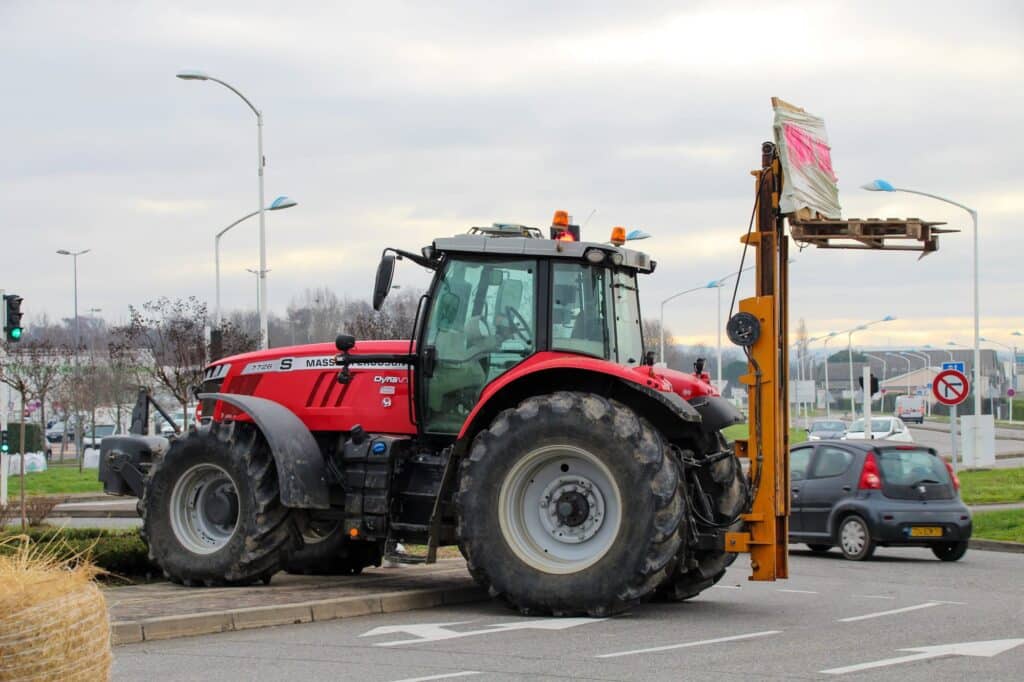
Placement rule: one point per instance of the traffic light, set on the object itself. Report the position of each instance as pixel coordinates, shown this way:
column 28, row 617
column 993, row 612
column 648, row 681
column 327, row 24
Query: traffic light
column 12, row 317
column 5, row 447
column 874, row 384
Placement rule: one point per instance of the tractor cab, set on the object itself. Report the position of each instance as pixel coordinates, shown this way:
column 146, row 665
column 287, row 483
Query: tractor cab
column 503, row 294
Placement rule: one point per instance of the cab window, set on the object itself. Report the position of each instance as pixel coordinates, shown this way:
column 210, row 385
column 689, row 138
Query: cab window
column 628, row 339
column 481, row 323
column 579, row 309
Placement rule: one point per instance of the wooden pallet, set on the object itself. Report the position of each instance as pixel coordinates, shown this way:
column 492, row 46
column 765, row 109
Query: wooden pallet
column 869, row 233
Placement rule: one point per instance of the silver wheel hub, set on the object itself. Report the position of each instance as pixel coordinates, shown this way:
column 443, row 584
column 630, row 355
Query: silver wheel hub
column 559, row 509
column 204, row 509
column 853, row 538
column 572, row 508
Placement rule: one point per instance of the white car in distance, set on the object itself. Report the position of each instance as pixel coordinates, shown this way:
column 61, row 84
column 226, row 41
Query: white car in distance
column 882, row 428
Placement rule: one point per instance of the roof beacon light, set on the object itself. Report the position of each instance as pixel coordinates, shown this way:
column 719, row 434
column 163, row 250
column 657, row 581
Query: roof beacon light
column 562, row 230
column 618, row 236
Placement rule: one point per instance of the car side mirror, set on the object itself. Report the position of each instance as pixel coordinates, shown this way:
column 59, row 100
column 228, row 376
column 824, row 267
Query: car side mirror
column 382, row 284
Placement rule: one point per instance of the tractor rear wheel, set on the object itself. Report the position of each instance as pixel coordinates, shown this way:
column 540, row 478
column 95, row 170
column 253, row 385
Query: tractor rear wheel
column 211, row 510
column 724, row 483
column 569, row 504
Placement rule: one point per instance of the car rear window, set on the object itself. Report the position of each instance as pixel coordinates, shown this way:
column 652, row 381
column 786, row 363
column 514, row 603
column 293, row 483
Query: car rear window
column 911, row 467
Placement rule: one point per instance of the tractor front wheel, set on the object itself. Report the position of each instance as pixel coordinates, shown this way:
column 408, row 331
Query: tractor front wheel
column 211, row 511
column 569, row 504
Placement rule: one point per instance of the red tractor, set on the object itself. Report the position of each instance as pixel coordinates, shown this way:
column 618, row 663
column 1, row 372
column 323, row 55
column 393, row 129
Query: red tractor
column 522, row 422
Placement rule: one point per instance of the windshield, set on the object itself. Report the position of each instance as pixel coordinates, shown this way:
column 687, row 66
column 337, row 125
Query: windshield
column 877, row 425
column 828, row 426
column 629, row 341
column 102, row 430
column 911, row 467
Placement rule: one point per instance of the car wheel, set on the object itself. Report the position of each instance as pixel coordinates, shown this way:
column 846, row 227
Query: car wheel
column 819, row 548
column 949, row 551
column 855, row 539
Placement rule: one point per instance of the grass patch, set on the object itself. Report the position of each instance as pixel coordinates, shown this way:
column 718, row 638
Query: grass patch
column 121, row 553
column 735, row 431
column 58, row 479
column 1007, row 525
column 992, row 485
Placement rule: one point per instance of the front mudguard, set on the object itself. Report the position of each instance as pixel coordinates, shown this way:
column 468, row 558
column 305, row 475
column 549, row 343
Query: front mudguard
column 301, row 472
column 716, row 413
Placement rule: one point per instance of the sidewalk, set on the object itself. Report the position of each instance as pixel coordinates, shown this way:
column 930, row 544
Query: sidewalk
column 165, row 610
column 999, row 506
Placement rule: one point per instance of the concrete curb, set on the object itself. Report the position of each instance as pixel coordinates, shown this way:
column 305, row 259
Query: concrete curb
column 170, row 627
column 996, row 546
column 93, row 514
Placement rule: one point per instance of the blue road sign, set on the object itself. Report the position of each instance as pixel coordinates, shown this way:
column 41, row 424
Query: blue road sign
column 958, row 366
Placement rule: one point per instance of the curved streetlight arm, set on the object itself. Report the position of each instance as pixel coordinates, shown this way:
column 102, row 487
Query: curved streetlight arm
column 235, row 90
column 937, row 198
column 242, row 219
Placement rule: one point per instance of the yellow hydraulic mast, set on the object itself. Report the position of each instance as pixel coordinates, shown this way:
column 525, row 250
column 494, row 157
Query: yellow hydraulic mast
column 761, row 328
column 767, row 445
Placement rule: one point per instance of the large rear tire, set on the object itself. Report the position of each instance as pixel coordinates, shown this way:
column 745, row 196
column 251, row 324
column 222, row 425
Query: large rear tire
column 725, row 484
column 569, row 504
column 211, row 509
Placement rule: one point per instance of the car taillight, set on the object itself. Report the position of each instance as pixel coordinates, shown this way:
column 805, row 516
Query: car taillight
column 869, row 479
column 199, row 412
column 953, row 476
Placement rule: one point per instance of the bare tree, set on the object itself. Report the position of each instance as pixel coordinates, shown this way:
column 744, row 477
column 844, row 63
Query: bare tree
column 173, row 334
column 30, row 367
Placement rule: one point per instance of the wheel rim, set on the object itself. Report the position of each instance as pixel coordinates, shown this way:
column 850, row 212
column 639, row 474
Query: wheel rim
column 204, row 509
column 559, row 509
column 853, row 537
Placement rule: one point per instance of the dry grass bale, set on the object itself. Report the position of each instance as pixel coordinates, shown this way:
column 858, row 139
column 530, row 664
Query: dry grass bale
column 53, row 618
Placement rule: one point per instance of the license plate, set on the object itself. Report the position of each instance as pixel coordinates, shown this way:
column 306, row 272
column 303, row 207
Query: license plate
column 926, row 532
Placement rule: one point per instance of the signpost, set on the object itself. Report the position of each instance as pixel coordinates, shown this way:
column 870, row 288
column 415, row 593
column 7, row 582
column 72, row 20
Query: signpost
column 951, row 387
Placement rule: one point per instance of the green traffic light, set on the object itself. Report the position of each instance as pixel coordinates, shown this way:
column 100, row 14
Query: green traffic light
column 16, row 333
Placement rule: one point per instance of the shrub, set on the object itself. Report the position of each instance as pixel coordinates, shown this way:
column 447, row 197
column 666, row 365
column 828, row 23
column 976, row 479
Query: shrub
column 38, row 508
column 121, row 553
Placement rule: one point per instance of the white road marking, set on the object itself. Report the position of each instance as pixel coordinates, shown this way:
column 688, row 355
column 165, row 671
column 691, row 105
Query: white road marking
column 726, row 587
column 987, row 649
column 445, row 676
column 873, row 596
column 879, row 614
column 685, row 645
column 799, row 591
column 434, row 632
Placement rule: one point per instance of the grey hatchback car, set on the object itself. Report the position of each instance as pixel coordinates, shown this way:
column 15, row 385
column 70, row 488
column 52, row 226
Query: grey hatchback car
column 859, row 495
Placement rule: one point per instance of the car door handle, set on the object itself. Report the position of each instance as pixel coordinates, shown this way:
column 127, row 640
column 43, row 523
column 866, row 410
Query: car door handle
column 796, row 493
column 847, row 488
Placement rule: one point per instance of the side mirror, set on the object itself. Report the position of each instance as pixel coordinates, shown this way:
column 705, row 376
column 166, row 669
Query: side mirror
column 382, row 285
column 698, row 366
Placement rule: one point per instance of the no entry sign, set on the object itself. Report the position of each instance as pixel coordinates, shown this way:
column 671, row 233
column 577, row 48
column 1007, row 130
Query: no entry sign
column 950, row 387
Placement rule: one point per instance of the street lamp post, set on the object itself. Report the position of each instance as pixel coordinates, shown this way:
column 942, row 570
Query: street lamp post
column 883, row 186
column 828, row 396
column 276, row 205
column 661, row 320
column 1013, row 366
column 78, row 339
column 849, row 357
column 926, row 367
column 264, row 321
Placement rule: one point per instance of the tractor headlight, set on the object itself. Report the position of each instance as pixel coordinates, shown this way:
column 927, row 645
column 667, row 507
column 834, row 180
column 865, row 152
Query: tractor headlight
column 595, row 256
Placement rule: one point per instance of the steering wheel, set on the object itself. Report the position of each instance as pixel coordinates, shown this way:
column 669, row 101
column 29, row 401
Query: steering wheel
column 519, row 325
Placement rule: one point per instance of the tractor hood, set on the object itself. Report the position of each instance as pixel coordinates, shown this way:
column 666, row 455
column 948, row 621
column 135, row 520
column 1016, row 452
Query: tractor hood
column 289, row 358
column 716, row 412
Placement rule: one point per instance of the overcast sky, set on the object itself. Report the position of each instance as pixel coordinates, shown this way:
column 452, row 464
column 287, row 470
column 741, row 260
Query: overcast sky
column 392, row 123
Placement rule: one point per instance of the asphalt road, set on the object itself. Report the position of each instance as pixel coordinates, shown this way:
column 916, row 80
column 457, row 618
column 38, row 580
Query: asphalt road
column 1009, row 443
column 832, row 614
